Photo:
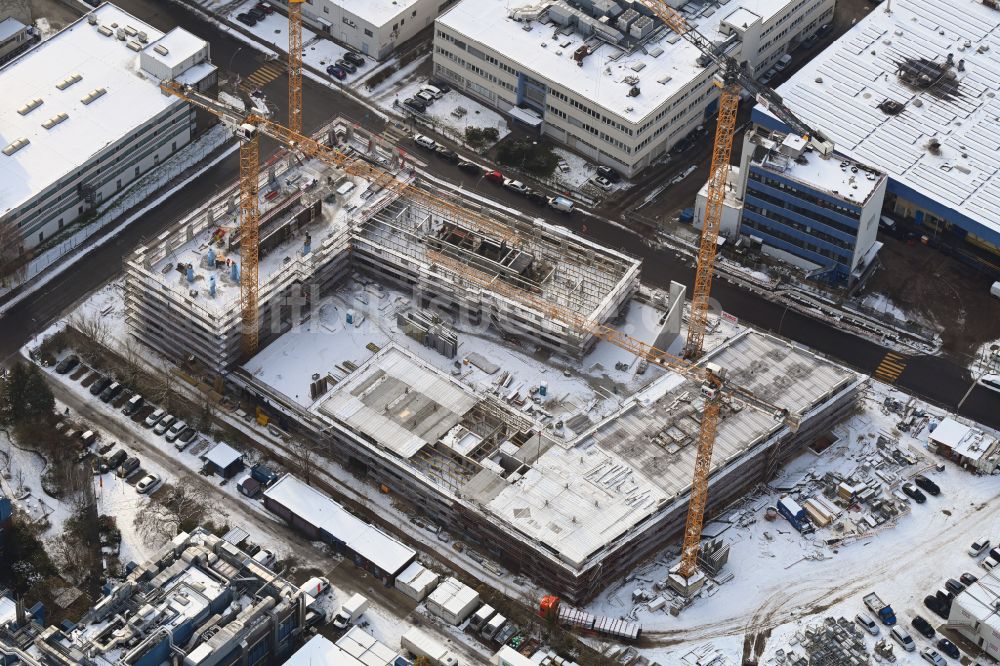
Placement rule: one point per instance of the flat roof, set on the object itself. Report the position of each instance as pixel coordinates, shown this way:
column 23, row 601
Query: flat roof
column 179, row 44
column 837, row 175
column 950, row 432
column 396, row 402
column 10, row 26
column 376, row 12
column 320, row 651
column 222, row 455
column 322, row 512
column 131, row 99
column 940, row 136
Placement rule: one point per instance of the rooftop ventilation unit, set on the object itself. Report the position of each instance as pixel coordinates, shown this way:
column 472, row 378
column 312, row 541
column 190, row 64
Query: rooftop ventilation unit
column 16, row 146
column 161, row 49
column 642, row 27
column 130, row 31
column 69, row 80
column 105, row 30
column 92, row 19
column 143, row 37
column 120, row 34
column 54, row 120
column 134, row 45
column 30, row 106
column 93, row 94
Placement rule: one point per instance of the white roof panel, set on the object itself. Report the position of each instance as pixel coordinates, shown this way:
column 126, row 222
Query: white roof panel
column 322, row 512
column 10, row 26
column 950, row 433
column 222, row 455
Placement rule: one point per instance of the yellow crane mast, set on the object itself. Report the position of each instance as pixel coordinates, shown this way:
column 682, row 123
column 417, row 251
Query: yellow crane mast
column 295, row 66
column 249, row 235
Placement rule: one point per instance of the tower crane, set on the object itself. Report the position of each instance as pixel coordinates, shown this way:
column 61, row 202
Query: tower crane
column 295, row 65
column 716, row 389
column 731, row 78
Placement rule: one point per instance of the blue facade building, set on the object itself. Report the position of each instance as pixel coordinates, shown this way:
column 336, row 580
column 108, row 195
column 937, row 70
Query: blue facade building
column 6, row 510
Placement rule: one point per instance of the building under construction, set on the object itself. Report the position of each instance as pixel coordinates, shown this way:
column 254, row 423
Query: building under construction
column 569, row 473
column 318, row 223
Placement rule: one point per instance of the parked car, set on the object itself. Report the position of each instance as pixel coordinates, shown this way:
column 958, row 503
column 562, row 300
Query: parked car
column 989, row 563
column 914, row 493
column 67, row 364
column 415, row 104
column 164, row 424
column 602, row 182
column 923, row 627
column 902, row 636
column 433, row 91
column 175, row 430
column 515, row 185
column 88, row 437
column 426, row 96
column 336, row 72
column 424, row 141
column 948, row 648
column 114, row 461
column 494, row 177
column 927, row 485
column 443, row 86
column 824, row 30
column 264, row 7
column 783, row 62
column 184, row 438
column 265, row 558
column 968, row 579
column 933, row 657
column 809, row 42
column 609, row 173
column 954, row 586
column 538, row 197
column 315, row 586
column 354, row 59
column 130, row 465
column 133, row 405
column 346, row 66
column 446, row 152
column 933, row 605
column 867, row 623
column 256, row 14
column 111, row 392
column 246, row 19
column 154, row 418
column 147, row 483
column 979, row 547
column 470, row 168
column 99, row 385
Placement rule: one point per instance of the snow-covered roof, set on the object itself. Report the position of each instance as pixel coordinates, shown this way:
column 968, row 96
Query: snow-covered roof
column 222, row 455
column 837, row 175
column 417, row 576
column 954, row 106
column 130, row 100
column 950, row 433
column 398, row 402
column 454, row 596
column 376, row 12
column 179, row 45
column 322, row 512
column 362, row 646
column 601, row 77
column 8, row 610
column 10, row 26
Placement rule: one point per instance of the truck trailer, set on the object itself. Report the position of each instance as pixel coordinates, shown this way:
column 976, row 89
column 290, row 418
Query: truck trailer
column 795, row 514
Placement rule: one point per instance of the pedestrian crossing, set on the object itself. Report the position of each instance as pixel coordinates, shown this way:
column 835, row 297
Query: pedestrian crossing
column 264, row 75
column 890, row 368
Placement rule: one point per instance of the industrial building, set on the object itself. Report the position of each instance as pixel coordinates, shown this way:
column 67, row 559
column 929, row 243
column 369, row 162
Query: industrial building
column 968, row 446
column 83, row 117
column 317, row 225
column 373, row 27
column 606, row 78
column 15, row 37
column 910, row 90
column 975, row 613
column 200, row 601
column 820, row 213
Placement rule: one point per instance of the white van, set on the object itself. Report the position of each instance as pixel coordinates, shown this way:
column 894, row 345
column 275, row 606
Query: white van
column 902, row 637
column 424, row 141
column 783, row 62
column 433, row 91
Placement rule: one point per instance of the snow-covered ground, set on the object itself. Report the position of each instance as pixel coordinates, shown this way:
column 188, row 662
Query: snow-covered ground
column 317, row 51
column 986, row 360
column 450, row 115
column 574, row 171
column 783, row 580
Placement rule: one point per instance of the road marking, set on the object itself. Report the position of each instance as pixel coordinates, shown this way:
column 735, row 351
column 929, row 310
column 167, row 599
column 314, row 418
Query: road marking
column 264, row 75
column 891, row 367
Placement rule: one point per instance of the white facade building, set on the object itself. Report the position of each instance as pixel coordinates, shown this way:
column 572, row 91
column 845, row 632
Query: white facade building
column 83, row 116
column 604, row 78
column 373, row 27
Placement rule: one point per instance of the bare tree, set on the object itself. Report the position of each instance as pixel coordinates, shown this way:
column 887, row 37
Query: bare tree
column 304, row 458
column 163, row 516
column 91, row 325
column 132, row 363
column 12, row 264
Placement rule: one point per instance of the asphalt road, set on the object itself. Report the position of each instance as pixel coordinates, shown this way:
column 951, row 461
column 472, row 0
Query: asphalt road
column 937, row 379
